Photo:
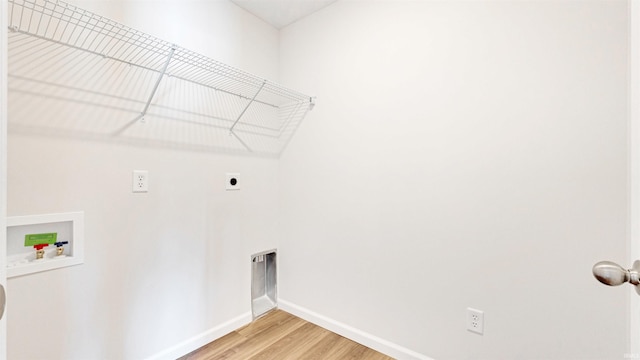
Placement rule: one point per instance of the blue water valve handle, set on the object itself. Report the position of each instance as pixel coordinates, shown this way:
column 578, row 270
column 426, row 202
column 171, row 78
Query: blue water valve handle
column 60, row 243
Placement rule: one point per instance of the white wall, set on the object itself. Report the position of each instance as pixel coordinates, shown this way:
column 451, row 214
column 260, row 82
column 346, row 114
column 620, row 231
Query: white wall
column 462, row 154
column 162, row 267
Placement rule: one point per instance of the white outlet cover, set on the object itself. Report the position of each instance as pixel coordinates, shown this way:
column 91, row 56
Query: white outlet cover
column 475, row 321
column 140, row 181
column 233, row 181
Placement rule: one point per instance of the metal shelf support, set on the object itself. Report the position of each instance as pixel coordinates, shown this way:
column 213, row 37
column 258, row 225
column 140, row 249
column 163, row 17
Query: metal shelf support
column 155, row 87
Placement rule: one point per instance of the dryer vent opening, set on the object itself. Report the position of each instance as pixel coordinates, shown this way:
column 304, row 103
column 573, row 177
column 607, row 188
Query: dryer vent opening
column 263, row 283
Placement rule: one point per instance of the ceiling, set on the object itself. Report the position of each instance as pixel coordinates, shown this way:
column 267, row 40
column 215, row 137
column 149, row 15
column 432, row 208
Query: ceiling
column 281, row 13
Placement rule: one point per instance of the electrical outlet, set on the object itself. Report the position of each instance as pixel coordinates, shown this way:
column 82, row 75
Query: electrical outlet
column 140, row 181
column 475, row 320
column 233, row 181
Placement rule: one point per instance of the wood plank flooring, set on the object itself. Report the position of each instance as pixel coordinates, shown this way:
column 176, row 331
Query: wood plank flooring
column 282, row 336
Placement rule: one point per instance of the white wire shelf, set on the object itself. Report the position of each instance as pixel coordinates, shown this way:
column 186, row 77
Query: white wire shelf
column 67, row 65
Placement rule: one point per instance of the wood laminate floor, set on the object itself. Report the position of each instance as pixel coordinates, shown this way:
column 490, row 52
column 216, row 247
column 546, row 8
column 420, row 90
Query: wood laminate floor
column 280, row 335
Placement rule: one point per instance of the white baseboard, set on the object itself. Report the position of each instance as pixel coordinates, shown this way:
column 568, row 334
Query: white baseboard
column 361, row 337
column 202, row 339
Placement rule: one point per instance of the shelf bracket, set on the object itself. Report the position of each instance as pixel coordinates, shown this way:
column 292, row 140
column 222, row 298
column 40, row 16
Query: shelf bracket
column 247, row 107
column 242, row 113
column 155, row 87
column 153, row 93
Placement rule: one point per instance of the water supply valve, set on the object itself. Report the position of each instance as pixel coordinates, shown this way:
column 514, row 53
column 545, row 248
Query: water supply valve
column 60, row 247
column 39, row 250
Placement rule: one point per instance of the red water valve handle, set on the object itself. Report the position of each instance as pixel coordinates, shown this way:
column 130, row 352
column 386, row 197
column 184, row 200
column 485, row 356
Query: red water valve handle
column 40, row 246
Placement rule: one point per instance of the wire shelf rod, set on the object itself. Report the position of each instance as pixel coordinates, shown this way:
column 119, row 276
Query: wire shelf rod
column 241, row 141
column 246, row 108
column 26, row 49
column 221, row 90
column 155, row 87
column 86, row 50
column 103, row 30
column 269, row 88
column 122, row 35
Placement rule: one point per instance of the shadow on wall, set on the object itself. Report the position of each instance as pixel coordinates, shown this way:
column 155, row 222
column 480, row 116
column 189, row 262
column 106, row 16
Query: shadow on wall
column 75, row 74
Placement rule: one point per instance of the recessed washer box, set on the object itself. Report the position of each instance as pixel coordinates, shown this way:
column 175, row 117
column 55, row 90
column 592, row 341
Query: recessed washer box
column 21, row 259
